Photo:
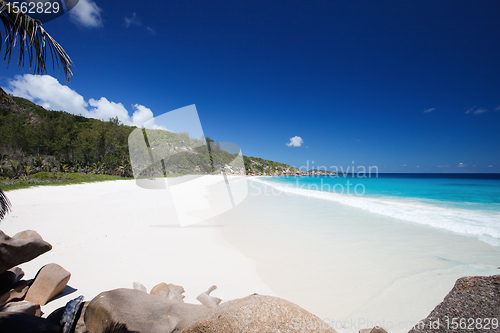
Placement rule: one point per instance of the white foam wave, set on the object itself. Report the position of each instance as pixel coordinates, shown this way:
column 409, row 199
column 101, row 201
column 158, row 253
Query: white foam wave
column 483, row 224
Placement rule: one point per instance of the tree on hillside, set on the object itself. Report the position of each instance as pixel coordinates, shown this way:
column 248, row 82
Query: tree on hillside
column 33, row 41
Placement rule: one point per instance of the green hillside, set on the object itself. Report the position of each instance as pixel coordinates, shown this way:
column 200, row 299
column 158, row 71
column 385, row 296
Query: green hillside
column 35, row 140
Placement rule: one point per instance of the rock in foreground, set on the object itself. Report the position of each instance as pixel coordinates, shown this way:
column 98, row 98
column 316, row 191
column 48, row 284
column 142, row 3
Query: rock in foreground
column 18, row 322
column 20, row 248
column 473, row 303
column 256, row 314
column 49, row 282
column 138, row 312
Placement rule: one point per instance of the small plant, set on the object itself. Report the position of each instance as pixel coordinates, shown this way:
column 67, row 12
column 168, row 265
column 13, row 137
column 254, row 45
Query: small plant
column 63, row 167
column 28, row 170
column 17, row 168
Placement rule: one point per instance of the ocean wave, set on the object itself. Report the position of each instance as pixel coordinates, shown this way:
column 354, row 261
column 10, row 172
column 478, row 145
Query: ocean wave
column 483, row 224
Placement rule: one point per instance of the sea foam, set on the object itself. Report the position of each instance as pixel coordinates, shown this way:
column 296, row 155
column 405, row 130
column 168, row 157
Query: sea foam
column 485, row 225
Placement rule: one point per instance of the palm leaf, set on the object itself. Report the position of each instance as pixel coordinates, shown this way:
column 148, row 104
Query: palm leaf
column 33, row 42
column 4, row 205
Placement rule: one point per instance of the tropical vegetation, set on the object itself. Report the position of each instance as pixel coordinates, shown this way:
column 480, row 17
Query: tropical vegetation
column 34, row 140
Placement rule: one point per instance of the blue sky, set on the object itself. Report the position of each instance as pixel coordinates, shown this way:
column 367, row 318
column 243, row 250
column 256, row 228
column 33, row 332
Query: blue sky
column 408, row 86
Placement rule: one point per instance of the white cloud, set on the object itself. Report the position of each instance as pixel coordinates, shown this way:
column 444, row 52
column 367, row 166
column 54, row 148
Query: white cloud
column 429, row 110
column 475, row 110
column 469, row 110
column 87, row 13
column 48, row 92
column 131, row 21
column 104, row 109
column 497, row 108
column 296, row 141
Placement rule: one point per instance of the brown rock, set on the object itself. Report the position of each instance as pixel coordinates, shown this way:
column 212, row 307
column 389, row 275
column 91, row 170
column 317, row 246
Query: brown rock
column 21, row 248
column 16, row 322
column 161, row 289
column 257, row 313
column 60, row 317
column 373, row 330
column 207, row 300
column 27, row 234
column 80, row 324
column 9, row 278
column 49, row 282
column 32, row 309
column 138, row 311
column 475, row 297
column 17, row 293
column 139, row 286
column 378, row 330
column 175, row 293
column 170, row 291
column 56, row 315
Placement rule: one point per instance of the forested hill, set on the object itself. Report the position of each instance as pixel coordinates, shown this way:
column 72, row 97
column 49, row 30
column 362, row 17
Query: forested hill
column 33, row 139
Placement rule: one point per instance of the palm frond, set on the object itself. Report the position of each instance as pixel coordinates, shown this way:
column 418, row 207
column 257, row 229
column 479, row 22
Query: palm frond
column 4, row 205
column 33, row 42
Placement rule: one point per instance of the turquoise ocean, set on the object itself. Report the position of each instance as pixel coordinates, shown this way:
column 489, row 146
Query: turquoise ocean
column 363, row 251
column 462, row 203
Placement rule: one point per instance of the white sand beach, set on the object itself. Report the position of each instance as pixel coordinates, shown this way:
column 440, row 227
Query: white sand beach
column 111, row 234
column 352, row 268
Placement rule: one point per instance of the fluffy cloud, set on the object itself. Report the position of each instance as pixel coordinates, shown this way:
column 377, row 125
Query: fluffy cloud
column 87, row 14
column 296, row 141
column 475, row 110
column 48, row 92
column 429, row 110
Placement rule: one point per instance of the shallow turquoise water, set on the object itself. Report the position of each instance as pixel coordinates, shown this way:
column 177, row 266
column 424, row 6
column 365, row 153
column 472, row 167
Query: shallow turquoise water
column 463, row 203
column 364, row 258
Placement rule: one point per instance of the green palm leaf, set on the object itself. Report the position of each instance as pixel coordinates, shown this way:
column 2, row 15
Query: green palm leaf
column 33, row 42
column 4, row 205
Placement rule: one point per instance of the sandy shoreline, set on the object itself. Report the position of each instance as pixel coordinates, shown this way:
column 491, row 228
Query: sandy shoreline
column 111, row 234
column 351, row 267
column 340, row 263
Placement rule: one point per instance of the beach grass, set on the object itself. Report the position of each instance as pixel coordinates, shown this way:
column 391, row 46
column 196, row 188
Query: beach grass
column 59, row 178
column 54, row 178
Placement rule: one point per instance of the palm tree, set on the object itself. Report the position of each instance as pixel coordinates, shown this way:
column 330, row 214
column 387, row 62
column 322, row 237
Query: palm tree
column 4, row 205
column 33, row 40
